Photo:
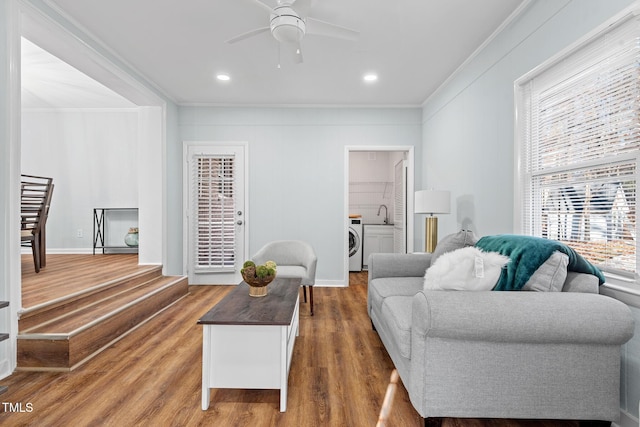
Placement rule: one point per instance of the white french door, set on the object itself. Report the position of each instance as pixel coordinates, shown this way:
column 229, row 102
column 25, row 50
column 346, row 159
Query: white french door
column 215, row 212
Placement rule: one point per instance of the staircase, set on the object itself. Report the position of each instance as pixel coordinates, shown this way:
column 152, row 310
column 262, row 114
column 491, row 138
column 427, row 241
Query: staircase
column 63, row 334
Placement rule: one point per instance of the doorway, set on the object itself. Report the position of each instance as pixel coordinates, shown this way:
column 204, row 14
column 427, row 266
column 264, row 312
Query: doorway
column 27, row 21
column 380, row 193
column 102, row 102
column 215, row 200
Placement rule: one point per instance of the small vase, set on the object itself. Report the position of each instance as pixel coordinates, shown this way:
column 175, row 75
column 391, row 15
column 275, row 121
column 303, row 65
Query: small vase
column 131, row 238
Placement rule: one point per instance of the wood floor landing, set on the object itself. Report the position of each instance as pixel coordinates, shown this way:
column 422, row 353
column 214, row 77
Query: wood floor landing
column 80, row 304
column 152, row 377
column 68, row 274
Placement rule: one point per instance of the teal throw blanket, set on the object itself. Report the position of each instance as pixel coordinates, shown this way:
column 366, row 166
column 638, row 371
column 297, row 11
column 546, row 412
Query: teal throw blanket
column 527, row 253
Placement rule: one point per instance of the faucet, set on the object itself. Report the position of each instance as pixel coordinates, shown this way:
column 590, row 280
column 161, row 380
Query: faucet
column 386, row 213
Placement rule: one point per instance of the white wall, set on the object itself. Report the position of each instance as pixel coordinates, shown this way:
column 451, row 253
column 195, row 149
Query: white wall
column 371, row 184
column 468, row 131
column 149, row 165
column 296, row 170
column 92, row 156
column 172, row 185
column 468, row 124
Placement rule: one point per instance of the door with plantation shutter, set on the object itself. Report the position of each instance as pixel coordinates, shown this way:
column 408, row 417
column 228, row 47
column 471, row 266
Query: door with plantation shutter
column 215, row 213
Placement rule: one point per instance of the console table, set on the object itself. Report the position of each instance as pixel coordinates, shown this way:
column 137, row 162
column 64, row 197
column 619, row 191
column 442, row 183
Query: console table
column 100, row 229
column 247, row 342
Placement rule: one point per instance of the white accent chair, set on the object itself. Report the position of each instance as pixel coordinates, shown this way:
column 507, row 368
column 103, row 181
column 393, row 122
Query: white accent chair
column 294, row 259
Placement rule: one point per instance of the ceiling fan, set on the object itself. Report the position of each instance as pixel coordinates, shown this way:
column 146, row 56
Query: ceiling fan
column 290, row 21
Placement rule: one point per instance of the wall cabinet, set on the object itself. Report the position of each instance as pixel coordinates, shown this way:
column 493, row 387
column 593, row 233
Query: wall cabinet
column 377, row 239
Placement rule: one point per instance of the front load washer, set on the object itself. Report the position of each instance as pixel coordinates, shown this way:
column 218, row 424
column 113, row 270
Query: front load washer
column 355, row 244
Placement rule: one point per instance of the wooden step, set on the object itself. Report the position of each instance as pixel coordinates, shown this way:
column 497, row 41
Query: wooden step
column 55, row 308
column 70, row 332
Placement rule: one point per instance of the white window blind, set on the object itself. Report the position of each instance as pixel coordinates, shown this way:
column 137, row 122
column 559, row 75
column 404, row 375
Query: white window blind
column 581, row 137
column 215, row 213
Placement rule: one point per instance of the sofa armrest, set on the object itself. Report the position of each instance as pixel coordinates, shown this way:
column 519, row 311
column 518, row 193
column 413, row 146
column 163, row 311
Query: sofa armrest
column 398, row 265
column 528, row 317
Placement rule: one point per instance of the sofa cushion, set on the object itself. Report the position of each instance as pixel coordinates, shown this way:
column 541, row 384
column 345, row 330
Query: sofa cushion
column 384, row 287
column 550, row 276
column 581, row 282
column 459, row 240
column 396, row 310
column 469, row 269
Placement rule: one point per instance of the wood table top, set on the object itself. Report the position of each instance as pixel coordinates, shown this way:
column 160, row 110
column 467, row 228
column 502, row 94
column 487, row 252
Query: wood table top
column 239, row 308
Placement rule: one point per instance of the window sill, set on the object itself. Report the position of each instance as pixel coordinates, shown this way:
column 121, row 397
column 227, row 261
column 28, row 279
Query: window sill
column 627, row 291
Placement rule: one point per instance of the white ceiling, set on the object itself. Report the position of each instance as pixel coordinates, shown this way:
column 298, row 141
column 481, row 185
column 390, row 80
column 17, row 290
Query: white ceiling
column 413, row 46
column 48, row 82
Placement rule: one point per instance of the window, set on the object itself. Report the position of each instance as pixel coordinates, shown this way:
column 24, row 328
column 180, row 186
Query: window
column 215, row 211
column 578, row 129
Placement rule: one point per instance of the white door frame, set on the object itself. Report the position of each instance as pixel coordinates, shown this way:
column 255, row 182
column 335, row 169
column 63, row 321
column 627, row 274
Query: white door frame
column 185, row 195
column 409, row 149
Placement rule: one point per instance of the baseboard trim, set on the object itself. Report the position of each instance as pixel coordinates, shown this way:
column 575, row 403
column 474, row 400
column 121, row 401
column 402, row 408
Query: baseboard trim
column 331, row 284
column 62, row 251
column 626, row 420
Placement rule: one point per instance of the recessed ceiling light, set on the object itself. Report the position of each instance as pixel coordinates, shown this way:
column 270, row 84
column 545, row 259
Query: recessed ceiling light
column 370, row 77
column 223, row 77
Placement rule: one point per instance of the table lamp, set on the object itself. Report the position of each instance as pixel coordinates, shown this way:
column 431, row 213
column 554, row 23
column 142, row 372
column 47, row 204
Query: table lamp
column 432, row 202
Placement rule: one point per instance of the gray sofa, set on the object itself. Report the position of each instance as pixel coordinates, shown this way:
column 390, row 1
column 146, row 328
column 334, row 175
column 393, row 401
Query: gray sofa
column 489, row 354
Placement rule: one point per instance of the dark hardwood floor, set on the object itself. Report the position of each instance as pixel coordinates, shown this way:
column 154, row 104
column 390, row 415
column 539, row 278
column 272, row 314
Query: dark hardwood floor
column 152, row 377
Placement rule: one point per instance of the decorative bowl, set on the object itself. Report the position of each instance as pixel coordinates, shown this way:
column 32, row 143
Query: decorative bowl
column 257, row 285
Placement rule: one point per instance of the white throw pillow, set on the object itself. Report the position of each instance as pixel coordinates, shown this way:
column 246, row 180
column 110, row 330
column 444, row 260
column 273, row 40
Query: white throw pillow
column 466, row 269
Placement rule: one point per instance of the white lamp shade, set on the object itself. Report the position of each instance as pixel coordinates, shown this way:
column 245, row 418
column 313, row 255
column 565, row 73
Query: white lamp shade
column 432, row 202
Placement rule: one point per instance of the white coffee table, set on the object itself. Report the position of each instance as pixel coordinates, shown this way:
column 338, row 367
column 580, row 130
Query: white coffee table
column 247, row 342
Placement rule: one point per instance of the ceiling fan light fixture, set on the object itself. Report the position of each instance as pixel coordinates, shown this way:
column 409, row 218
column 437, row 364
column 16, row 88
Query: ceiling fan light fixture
column 287, row 33
column 290, row 22
column 286, row 25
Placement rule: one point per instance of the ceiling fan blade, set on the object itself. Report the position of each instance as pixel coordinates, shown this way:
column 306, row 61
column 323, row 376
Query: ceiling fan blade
column 321, row 28
column 248, row 34
column 303, row 7
column 263, row 5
